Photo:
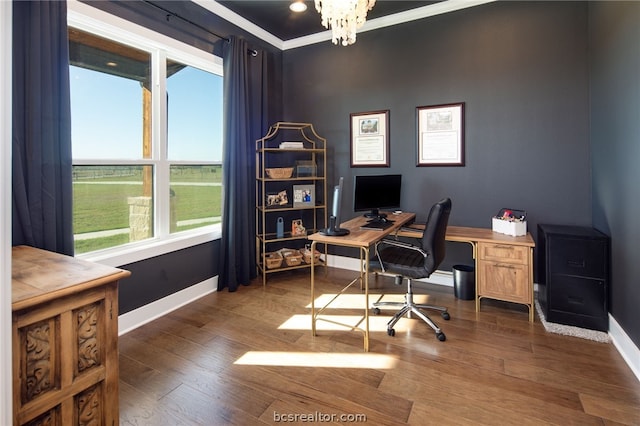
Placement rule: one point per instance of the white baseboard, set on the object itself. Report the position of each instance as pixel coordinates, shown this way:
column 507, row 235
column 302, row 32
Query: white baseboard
column 629, row 351
column 147, row 313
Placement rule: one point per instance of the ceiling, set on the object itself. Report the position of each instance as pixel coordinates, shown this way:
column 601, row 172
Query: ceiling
column 276, row 18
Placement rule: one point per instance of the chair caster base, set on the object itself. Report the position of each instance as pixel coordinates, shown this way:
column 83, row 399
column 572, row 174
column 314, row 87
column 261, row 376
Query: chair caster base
column 445, row 316
column 391, row 332
column 441, row 336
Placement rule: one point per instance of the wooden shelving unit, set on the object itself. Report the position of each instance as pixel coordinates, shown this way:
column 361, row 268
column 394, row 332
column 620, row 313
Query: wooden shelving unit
column 308, row 160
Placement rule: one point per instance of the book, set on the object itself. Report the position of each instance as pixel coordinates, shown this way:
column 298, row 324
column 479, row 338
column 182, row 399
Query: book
column 291, row 145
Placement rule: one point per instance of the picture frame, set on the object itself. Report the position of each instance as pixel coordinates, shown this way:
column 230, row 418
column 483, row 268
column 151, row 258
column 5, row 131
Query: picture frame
column 297, row 228
column 304, row 196
column 370, row 139
column 440, row 138
column 277, row 199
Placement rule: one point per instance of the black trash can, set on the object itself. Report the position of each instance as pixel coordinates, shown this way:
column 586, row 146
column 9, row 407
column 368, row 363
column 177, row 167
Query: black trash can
column 464, row 282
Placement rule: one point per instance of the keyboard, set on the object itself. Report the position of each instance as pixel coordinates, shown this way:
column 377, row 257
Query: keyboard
column 377, row 225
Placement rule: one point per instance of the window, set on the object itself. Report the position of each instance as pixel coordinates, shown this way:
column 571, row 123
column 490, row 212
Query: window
column 146, row 140
column 194, row 132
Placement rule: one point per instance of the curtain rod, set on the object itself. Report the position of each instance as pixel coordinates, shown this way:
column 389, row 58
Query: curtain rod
column 169, row 13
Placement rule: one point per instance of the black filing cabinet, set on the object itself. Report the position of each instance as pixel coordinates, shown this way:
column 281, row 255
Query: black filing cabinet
column 573, row 275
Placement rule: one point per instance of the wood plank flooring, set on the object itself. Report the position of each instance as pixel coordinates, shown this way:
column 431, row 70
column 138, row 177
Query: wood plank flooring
column 248, row 358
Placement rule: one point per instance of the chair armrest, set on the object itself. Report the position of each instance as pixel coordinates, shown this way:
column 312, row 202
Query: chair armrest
column 398, row 243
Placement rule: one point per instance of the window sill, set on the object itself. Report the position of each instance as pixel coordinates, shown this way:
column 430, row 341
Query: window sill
column 135, row 252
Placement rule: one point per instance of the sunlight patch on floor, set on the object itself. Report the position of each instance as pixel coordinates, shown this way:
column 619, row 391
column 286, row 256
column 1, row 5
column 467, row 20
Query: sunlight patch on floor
column 376, row 323
column 314, row 359
column 357, row 301
column 345, row 301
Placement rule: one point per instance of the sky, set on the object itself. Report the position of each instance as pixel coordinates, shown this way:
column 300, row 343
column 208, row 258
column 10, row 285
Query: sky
column 106, row 115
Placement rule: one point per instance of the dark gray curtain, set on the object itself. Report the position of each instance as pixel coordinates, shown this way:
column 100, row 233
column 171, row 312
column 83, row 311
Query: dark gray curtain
column 42, row 187
column 245, row 104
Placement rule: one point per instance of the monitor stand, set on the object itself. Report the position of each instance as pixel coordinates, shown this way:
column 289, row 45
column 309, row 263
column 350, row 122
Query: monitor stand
column 334, row 229
column 335, row 232
column 375, row 214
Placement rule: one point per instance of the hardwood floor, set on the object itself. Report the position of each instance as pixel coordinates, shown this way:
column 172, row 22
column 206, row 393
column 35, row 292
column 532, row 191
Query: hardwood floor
column 248, row 358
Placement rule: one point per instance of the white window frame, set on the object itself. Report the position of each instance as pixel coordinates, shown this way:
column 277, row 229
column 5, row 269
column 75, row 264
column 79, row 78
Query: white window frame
column 95, row 21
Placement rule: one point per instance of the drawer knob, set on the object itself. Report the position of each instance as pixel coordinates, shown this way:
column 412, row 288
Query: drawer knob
column 576, row 263
column 504, row 246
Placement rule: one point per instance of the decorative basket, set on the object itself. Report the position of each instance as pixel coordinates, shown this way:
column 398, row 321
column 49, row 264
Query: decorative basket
column 279, row 172
column 291, row 257
column 273, row 260
column 306, row 255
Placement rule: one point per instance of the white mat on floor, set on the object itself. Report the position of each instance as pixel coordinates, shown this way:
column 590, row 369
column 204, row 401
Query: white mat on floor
column 569, row 330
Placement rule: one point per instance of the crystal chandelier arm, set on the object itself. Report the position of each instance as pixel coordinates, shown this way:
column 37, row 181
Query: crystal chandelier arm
column 343, row 17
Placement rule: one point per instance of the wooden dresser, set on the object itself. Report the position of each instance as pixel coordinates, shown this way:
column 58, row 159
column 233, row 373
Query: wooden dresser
column 64, row 339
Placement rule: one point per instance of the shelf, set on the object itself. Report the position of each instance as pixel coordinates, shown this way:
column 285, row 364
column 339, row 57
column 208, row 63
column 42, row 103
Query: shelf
column 314, row 216
column 319, row 262
column 267, row 179
column 272, row 238
column 289, row 208
column 296, row 150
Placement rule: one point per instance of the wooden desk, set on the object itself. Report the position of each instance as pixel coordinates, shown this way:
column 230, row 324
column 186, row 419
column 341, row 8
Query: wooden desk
column 64, row 339
column 503, row 264
column 363, row 240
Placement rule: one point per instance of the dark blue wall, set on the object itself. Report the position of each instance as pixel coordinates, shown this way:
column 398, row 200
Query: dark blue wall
column 522, row 70
column 615, row 140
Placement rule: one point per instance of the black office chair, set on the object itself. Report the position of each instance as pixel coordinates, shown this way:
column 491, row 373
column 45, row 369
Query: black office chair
column 411, row 261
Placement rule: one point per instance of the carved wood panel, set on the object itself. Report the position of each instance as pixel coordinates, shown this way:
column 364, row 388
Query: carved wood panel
column 49, row 418
column 89, row 345
column 90, row 407
column 39, row 365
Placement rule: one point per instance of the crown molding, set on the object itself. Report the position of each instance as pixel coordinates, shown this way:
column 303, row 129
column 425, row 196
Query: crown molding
column 439, row 8
column 390, row 20
column 218, row 9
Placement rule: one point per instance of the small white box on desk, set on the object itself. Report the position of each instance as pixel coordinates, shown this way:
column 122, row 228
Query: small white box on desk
column 509, row 227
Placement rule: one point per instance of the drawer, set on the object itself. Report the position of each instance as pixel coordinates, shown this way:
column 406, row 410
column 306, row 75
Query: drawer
column 504, row 281
column 577, row 256
column 504, row 253
column 575, row 295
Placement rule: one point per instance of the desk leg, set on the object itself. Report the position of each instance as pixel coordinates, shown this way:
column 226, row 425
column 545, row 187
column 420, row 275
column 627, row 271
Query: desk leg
column 313, row 294
column 532, row 305
column 364, row 269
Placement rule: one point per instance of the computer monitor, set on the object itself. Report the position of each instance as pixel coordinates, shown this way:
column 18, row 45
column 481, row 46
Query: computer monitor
column 334, row 220
column 375, row 193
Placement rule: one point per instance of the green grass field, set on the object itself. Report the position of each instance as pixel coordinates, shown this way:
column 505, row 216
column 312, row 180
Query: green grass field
column 100, row 201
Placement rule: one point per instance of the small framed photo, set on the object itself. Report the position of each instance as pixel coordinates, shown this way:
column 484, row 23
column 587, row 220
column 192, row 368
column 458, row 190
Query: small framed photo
column 304, row 196
column 370, row 139
column 441, row 135
column 277, row 199
column 297, row 228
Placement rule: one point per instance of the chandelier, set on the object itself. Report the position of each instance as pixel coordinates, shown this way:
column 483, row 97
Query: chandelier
column 344, row 17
